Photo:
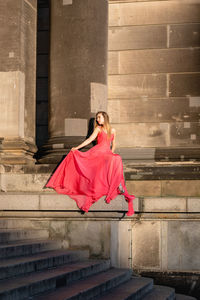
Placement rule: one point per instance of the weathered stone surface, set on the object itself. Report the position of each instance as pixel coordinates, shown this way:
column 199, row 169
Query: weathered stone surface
column 137, row 85
column 164, row 188
column 146, row 244
column 60, row 202
column 153, row 12
column 19, row 201
column 23, row 182
column 159, row 61
column 164, row 204
column 181, row 85
column 182, row 134
column 153, row 110
column 137, row 37
column 193, row 205
column 190, row 188
column 113, row 62
column 18, row 66
column 57, row 229
column 184, row 35
column 142, row 134
column 144, row 188
column 161, row 171
column 12, row 100
column 92, row 235
column 9, row 35
column 185, row 235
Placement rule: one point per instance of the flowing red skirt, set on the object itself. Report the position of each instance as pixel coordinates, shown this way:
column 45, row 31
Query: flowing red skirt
column 87, row 176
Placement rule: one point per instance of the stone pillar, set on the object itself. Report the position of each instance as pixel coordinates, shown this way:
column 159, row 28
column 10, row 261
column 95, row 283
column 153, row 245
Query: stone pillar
column 17, row 80
column 78, row 72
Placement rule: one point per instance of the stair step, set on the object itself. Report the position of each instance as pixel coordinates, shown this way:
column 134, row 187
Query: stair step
column 27, row 247
column 26, row 264
column 91, row 287
column 135, row 288
column 184, row 297
column 160, row 293
column 7, row 235
column 26, row 286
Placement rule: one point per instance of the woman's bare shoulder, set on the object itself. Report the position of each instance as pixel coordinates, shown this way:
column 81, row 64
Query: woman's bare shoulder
column 97, row 129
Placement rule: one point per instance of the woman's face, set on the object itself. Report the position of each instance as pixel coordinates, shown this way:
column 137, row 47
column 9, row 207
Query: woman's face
column 100, row 119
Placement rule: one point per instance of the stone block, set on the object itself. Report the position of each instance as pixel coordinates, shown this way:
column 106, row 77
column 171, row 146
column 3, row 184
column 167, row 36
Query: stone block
column 184, row 35
column 131, row 86
column 137, row 37
column 98, row 97
column 178, row 188
column 32, row 3
column 64, row 202
column 185, row 256
column 76, row 127
column 113, row 62
column 153, row 12
column 12, row 85
column 113, row 17
column 146, row 245
column 159, row 61
column 19, row 202
column 23, row 182
column 181, row 85
column 57, row 229
column 57, row 202
column 152, row 110
column 149, row 188
column 10, row 52
column 114, row 111
column 92, row 235
column 142, row 134
column 193, row 205
column 164, row 204
column 183, row 134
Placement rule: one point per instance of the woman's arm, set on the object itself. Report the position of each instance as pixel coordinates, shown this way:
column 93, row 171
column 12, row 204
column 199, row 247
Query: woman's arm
column 89, row 140
column 113, row 141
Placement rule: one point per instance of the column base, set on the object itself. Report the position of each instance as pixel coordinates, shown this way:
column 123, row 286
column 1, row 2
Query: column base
column 58, row 147
column 16, row 152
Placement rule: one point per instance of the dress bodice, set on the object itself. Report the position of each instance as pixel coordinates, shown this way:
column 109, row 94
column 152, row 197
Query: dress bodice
column 102, row 138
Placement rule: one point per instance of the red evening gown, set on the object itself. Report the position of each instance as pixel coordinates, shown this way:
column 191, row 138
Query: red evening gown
column 87, row 176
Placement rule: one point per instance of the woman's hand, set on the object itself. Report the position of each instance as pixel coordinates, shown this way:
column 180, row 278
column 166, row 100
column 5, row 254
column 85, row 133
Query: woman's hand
column 74, row 148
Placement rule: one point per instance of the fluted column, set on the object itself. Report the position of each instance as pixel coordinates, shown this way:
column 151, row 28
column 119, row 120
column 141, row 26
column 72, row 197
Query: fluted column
column 78, row 72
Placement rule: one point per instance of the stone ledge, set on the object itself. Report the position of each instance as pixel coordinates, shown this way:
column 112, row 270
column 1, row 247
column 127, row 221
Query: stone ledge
column 31, row 201
column 55, row 202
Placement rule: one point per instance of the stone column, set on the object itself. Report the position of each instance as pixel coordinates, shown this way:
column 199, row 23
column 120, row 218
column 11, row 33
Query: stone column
column 78, row 72
column 17, row 80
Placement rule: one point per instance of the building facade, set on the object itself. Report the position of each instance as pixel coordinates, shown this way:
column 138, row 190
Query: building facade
column 62, row 61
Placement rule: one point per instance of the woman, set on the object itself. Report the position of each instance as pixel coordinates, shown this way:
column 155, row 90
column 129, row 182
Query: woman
column 87, row 176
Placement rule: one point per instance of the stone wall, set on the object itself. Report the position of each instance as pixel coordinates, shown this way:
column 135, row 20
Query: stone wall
column 154, row 73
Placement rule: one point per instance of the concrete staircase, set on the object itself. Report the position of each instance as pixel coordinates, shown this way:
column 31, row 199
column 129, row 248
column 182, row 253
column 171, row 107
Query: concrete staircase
column 34, row 267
